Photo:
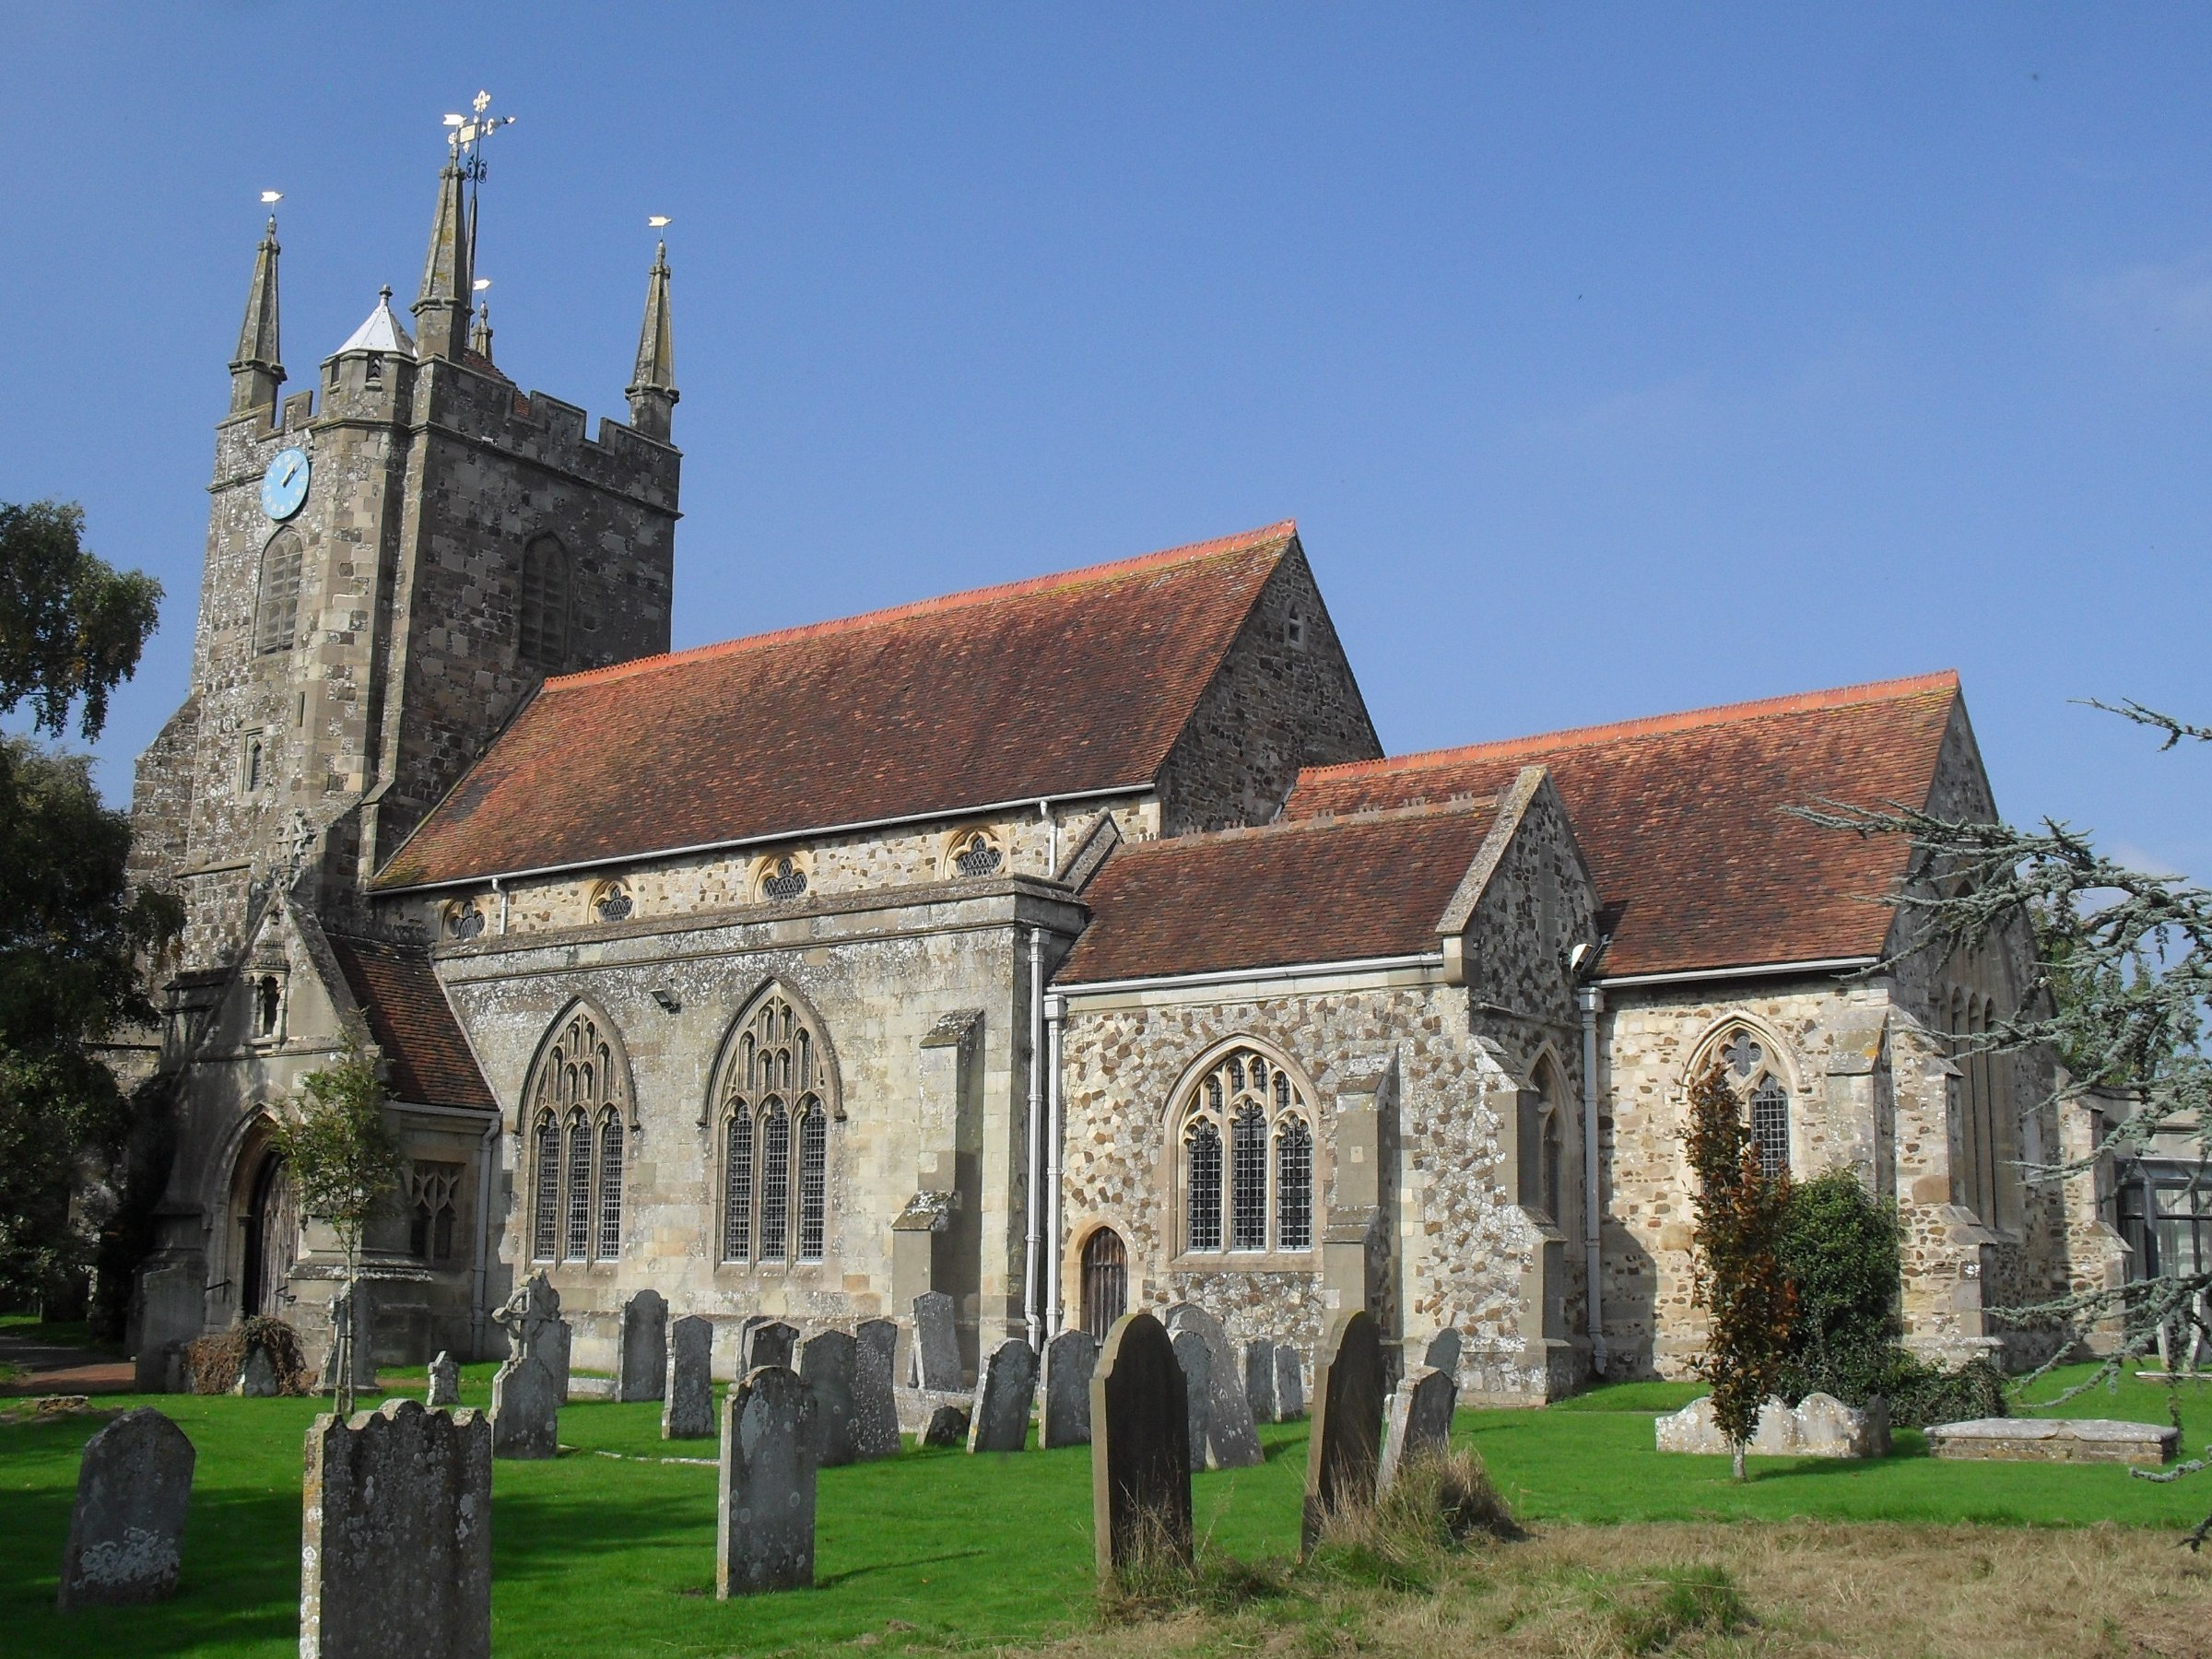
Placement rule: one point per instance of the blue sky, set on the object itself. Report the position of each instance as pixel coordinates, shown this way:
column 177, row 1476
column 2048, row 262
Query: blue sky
column 1612, row 359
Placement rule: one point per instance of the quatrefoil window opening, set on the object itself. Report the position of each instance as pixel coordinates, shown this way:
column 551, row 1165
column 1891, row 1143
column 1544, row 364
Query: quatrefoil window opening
column 612, row 902
column 785, row 878
column 1765, row 1096
column 975, row 853
column 464, row 921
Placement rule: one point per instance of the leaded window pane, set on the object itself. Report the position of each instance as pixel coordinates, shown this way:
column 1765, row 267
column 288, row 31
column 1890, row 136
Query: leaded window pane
column 814, row 1181
column 1293, row 1184
column 1770, row 1126
column 1248, row 1179
column 545, row 1224
column 610, row 1187
column 276, row 623
column 578, row 1243
column 542, row 631
column 775, row 1182
column 1202, row 1187
column 737, row 1186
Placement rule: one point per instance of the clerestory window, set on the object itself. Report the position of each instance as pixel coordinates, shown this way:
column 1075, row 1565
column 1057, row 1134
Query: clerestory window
column 1247, row 1141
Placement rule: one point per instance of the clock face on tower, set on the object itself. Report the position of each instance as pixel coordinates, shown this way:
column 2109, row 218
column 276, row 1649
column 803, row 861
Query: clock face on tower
column 284, row 486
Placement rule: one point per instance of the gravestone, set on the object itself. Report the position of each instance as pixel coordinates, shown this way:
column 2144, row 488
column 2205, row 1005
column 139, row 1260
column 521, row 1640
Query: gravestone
column 826, row 1364
column 764, row 1341
column 687, row 1407
column 764, row 1520
column 1344, row 1455
column 1289, row 1384
column 1443, row 1352
column 936, row 1343
column 1259, row 1380
column 127, row 1532
column 1231, row 1442
column 350, row 1307
column 395, row 1552
column 1195, row 1360
column 1001, row 1422
column 1821, row 1426
column 2055, row 1440
column 1140, row 1453
column 1069, row 1359
column 947, row 1426
column 875, row 1397
column 1420, row 1423
column 445, row 1382
column 257, row 1376
column 530, row 1388
column 641, row 1348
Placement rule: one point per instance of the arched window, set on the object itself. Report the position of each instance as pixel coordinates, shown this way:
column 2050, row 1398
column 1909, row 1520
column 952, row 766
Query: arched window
column 1757, row 1078
column 543, row 634
column 777, row 1102
column 1247, row 1107
column 577, row 1103
column 974, row 853
column 1105, row 1282
column 277, row 609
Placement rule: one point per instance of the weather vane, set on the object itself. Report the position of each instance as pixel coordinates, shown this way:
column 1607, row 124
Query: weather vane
column 465, row 134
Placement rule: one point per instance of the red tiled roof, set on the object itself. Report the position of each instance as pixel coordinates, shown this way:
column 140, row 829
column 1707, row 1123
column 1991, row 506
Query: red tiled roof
column 1049, row 687
column 1330, row 891
column 1683, row 819
column 430, row 1063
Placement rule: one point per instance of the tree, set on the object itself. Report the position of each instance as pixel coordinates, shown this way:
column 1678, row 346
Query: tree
column 2119, row 990
column 1736, row 1250
column 345, row 1162
column 71, row 931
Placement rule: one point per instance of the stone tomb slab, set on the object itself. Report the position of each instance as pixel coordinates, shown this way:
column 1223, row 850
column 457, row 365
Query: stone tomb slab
column 936, row 1344
column 875, row 1395
column 1420, row 1420
column 826, row 1364
column 764, row 1520
column 1003, row 1399
column 395, row 1551
column 1069, row 1359
column 2055, row 1440
column 127, row 1532
column 687, row 1407
column 1344, row 1455
column 1140, row 1453
column 1196, row 1361
column 1232, row 1441
column 642, row 1348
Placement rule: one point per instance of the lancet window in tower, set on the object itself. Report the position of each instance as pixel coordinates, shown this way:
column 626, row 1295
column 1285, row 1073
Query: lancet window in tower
column 1248, row 1108
column 543, row 637
column 578, row 1140
column 777, row 1102
column 277, row 608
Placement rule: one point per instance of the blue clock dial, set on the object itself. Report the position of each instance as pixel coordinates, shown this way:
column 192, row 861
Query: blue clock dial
column 284, row 486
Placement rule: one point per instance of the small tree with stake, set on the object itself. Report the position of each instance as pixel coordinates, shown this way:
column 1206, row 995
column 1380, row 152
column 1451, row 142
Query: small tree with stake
column 1742, row 1214
column 345, row 1165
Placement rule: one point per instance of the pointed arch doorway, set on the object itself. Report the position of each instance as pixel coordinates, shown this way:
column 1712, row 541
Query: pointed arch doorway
column 272, row 1239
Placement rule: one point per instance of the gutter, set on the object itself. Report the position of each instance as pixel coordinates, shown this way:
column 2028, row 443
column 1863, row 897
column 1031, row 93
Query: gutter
column 1755, row 970
column 1230, row 976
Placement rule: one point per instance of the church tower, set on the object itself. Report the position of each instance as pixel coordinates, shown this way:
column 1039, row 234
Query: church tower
column 397, row 556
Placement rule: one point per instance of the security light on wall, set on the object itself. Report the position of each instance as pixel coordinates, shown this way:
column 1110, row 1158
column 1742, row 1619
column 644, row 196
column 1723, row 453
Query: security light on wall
column 667, row 998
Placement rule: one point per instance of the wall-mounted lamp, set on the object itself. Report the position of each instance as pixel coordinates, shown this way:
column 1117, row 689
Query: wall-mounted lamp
column 667, row 998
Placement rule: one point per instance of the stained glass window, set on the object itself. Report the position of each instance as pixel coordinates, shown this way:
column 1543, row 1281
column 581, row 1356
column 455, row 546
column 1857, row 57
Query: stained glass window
column 1266, row 1201
column 546, row 1223
column 577, row 1245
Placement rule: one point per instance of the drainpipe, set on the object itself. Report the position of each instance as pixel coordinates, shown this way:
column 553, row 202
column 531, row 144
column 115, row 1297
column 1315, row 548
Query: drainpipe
column 1030, row 1315
column 1592, row 1001
column 1051, row 833
column 501, row 892
column 479, row 1310
column 1054, row 1007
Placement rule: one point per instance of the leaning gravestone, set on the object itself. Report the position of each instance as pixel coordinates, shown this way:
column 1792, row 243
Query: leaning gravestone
column 125, row 1534
column 826, row 1364
column 1289, row 1384
column 1231, row 1442
column 936, row 1344
column 1140, row 1453
column 687, row 1407
column 1069, row 1359
column 1420, row 1423
column 1001, row 1422
column 1343, row 1454
column 641, row 1348
column 445, row 1382
column 764, row 1522
column 875, row 1398
column 396, row 1554
column 1445, row 1351
column 529, row 1392
column 762, row 1341
column 1259, row 1380
column 1195, row 1360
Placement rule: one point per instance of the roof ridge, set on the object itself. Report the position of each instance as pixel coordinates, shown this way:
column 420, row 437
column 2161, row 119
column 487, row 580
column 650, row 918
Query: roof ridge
column 1190, row 553
column 1464, row 805
column 1800, row 702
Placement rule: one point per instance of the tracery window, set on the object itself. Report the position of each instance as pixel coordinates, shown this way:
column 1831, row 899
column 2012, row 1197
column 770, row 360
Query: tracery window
column 543, row 633
column 1759, row 1085
column 578, row 1140
column 782, row 877
column 277, row 611
column 465, row 919
column 1260, row 1196
column 432, row 1189
column 975, row 853
column 611, row 902
column 777, row 1100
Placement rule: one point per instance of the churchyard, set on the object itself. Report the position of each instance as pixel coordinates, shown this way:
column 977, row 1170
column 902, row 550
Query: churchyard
column 611, row 1546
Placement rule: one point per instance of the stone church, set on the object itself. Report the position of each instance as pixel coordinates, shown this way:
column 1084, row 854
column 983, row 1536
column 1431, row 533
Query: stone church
column 1062, row 947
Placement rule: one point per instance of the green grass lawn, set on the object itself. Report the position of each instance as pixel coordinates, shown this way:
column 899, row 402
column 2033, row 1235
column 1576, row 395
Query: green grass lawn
column 607, row 1551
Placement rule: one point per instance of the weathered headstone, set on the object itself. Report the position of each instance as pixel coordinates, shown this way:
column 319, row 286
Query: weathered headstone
column 687, row 1407
column 1420, row 1423
column 396, row 1554
column 641, row 1348
column 1003, row 1399
column 352, row 1308
column 1069, row 1359
column 1196, row 1361
column 875, row 1397
column 826, row 1361
column 125, row 1534
column 257, row 1376
column 1231, row 1442
column 530, row 1388
column 1140, row 1453
column 1821, row 1426
column 1259, row 1380
column 1289, row 1384
column 445, row 1382
column 936, row 1343
column 764, row 1341
column 764, row 1520
column 947, row 1426
column 1344, row 1455
column 1443, row 1352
